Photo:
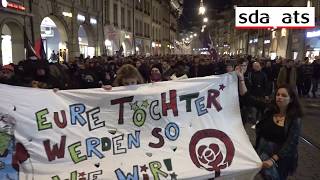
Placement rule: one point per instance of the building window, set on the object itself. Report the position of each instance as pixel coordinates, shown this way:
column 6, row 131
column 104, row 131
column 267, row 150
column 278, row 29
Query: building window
column 139, row 5
column 107, row 12
column 141, row 28
column 115, row 15
column 122, row 18
column 136, row 26
column 283, row 32
column 83, row 3
column 153, row 13
column 129, row 20
column 94, row 4
column 145, row 6
column 273, row 34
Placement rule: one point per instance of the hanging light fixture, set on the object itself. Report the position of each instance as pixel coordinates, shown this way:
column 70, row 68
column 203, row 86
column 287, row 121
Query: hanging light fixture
column 202, row 9
column 309, row 4
column 205, row 20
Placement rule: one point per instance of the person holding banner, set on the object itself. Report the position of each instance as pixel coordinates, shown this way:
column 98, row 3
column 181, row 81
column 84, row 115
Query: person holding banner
column 126, row 75
column 278, row 131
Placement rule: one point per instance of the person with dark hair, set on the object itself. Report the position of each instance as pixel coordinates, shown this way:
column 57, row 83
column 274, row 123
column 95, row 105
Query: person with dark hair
column 307, row 71
column 42, row 78
column 179, row 71
column 156, row 73
column 315, row 77
column 229, row 67
column 269, row 71
column 277, row 134
column 167, row 70
column 288, row 75
column 143, row 69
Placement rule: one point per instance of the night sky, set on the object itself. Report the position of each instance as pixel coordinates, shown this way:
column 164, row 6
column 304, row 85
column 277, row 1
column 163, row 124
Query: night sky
column 190, row 16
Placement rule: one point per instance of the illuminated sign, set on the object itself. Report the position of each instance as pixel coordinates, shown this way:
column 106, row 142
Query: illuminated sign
column 67, row 14
column 81, row 18
column 313, row 34
column 12, row 5
column 93, row 21
column 4, row 3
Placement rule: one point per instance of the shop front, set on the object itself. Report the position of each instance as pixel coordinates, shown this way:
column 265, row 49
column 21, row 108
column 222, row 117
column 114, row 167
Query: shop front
column 112, row 41
column 126, row 43
column 54, row 38
column 312, row 44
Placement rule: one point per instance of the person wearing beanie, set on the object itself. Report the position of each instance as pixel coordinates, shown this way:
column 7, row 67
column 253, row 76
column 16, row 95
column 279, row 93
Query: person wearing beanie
column 7, row 75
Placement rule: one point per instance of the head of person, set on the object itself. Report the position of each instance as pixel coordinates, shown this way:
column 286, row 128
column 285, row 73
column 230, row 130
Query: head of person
column 91, row 63
column 41, row 69
column 202, row 62
column 243, row 64
column 290, row 63
column 179, row 69
column 256, row 66
column 268, row 64
column 229, row 67
column 138, row 64
column 196, row 61
column 155, row 74
column 165, row 64
column 287, row 99
column 128, row 75
column 7, row 71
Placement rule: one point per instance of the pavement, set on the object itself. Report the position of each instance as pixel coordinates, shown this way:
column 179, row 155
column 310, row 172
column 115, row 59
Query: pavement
column 309, row 145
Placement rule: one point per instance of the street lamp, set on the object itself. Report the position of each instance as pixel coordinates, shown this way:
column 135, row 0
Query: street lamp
column 191, row 36
column 309, row 3
column 202, row 9
column 205, row 20
column 195, row 35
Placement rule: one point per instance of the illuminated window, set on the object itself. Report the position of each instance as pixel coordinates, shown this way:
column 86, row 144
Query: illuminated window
column 273, row 34
column 283, row 32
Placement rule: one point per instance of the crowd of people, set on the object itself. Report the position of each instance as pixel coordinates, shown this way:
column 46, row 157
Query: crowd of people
column 269, row 90
column 261, row 77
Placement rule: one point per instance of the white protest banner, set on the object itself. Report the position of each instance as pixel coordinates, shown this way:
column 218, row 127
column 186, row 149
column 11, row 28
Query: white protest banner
column 186, row 129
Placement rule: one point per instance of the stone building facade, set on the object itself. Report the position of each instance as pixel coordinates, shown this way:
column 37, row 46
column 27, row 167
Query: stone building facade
column 65, row 16
column 277, row 42
column 88, row 27
column 145, row 27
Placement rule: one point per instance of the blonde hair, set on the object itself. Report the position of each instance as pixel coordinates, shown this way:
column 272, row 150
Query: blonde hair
column 125, row 72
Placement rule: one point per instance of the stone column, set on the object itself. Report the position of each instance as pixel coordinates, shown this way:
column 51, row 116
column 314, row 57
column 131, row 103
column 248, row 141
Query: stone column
column 301, row 44
column 73, row 44
column 289, row 45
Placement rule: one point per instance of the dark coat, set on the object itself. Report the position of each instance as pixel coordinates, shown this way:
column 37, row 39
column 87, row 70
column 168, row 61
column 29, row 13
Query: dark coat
column 288, row 153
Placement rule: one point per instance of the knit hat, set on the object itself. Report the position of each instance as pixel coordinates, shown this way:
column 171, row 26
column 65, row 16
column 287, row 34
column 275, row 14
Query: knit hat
column 8, row 67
